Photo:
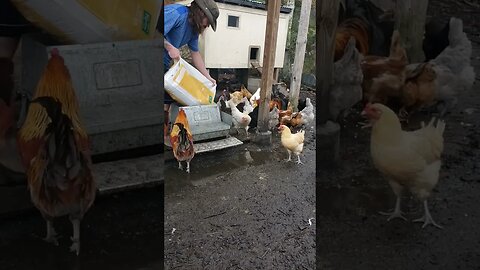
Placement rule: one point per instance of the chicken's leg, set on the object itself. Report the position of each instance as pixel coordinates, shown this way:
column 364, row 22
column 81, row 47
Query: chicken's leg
column 427, row 218
column 397, row 213
column 188, row 166
column 51, row 234
column 180, row 165
column 289, row 156
column 298, row 159
column 75, row 247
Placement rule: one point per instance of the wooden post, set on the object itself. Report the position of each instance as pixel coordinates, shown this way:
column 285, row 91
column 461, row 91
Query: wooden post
column 410, row 20
column 326, row 26
column 276, row 74
column 301, row 44
column 271, row 32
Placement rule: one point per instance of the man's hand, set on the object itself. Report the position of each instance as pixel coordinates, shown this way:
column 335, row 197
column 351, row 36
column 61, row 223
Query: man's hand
column 174, row 53
column 212, row 80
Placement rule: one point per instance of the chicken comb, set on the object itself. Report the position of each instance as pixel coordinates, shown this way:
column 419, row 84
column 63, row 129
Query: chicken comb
column 54, row 52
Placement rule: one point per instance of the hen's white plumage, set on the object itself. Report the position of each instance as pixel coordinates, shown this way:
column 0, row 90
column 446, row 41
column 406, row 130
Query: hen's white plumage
column 247, row 108
column 454, row 73
column 255, row 97
column 240, row 120
column 308, row 113
column 292, row 142
column 273, row 118
column 410, row 159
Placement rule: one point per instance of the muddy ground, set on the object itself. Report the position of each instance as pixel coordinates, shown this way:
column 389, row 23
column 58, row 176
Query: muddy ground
column 121, row 231
column 352, row 235
column 242, row 208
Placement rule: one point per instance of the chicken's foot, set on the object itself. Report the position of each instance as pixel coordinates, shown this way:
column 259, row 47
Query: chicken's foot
column 75, row 247
column 51, row 234
column 298, row 160
column 427, row 218
column 397, row 213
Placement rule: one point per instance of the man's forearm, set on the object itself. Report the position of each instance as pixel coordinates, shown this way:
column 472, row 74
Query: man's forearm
column 167, row 44
column 199, row 64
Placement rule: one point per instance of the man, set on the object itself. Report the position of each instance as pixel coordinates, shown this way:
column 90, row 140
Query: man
column 182, row 26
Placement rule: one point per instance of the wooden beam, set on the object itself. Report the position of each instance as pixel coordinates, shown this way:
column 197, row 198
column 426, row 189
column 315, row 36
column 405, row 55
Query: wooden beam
column 301, row 44
column 271, row 32
column 325, row 32
column 410, row 17
column 276, row 74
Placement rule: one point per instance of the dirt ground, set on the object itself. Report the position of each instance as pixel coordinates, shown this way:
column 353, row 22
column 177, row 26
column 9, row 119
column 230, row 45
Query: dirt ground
column 352, row 235
column 242, row 208
column 121, row 231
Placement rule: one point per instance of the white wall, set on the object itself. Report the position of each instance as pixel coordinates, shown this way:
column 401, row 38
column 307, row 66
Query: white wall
column 229, row 47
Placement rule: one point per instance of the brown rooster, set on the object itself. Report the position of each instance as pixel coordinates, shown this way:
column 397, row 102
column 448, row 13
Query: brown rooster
column 419, row 89
column 383, row 77
column 55, row 151
column 352, row 27
column 275, row 102
column 182, row 140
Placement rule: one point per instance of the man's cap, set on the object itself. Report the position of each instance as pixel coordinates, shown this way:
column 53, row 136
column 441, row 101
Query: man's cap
column 209, row 7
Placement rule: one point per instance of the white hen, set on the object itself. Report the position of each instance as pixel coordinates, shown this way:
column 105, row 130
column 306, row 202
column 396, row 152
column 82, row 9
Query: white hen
column 308, row 113
column 452, row 67
column 292, row 142
column 240, row 120
column 407, row 159
column 273, row 118
column 247, row 108
column 255, row 97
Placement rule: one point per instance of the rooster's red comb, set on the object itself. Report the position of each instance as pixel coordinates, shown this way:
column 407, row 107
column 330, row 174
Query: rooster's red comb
column 55, row 52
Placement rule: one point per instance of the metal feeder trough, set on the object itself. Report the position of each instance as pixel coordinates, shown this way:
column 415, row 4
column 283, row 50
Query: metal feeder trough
column 209, row 126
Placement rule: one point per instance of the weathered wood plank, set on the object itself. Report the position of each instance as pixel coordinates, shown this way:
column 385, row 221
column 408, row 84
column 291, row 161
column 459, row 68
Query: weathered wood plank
column 326, row 27
column 271, row 32
column 301, row 44
column 410, row 18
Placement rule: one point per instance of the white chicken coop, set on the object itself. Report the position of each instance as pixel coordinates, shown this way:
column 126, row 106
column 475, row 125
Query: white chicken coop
column 239, row 40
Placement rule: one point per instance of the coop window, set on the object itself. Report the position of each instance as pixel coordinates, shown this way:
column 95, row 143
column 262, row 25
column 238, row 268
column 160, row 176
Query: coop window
column 254, row 52
column 233, row 21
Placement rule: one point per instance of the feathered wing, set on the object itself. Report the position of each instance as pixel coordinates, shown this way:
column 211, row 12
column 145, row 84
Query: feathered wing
column 181, row 138
column 31, row 137
column 293, row 142
column 407, row 160
column 57, row 158
column 428, row 140
column 300, row 137
column 455, row 59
